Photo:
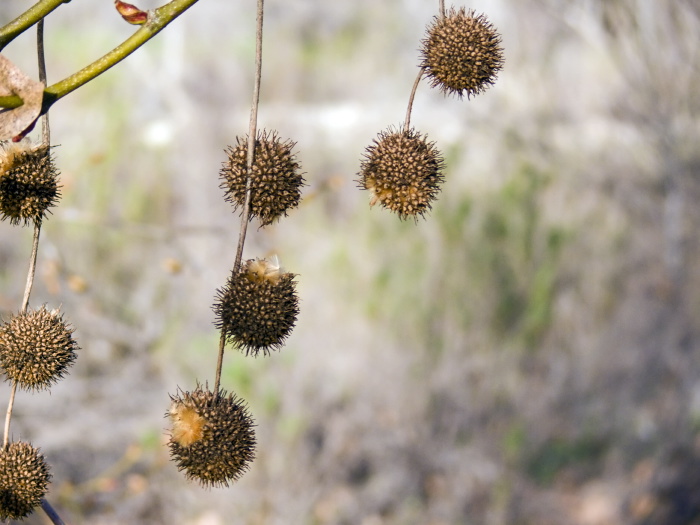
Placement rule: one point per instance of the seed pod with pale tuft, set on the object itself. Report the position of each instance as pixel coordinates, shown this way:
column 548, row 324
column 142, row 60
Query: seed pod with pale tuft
column 258, row 307
column 28, row 182
column 36, row 348
column 212, row 439
column 462, row 53
column 403, row 172
column 24, row 480
column 276, row 179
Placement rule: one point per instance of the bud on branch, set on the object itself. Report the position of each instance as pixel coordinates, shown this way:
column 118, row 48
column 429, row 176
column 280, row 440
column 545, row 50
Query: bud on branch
column 131, row 13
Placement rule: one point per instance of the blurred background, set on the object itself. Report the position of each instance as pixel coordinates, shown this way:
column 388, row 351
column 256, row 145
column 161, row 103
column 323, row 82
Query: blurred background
column 526, row 355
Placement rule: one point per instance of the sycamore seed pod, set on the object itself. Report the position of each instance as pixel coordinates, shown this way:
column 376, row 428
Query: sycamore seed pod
column 28, row 182
column 275, row 182
column 462, row 53
column 403, row 172
column 36, row 348
column 258, row 307
column 24, row 480
column 213, row 437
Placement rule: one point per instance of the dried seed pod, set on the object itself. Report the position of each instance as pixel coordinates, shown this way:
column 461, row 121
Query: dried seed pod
column 24, row 480
column 28, row 182
column 461, row 53
column 213, row 439
column 258, row 307
column 276, row 179
column 36, row 348
column 403, row 172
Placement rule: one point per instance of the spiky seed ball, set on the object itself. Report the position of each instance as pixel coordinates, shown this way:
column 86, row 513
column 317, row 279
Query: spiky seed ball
column 403, row 172
column 212, row 439
column 24, row 480
column 28, row 182
column 461, row 53
column 36, row 348
column 276, row 179
column 258, row 307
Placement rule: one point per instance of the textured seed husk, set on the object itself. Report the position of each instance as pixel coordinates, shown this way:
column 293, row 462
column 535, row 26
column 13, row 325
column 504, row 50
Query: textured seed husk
column 36, row 348
column 276, row 178
column 403, row 172
column 24, row 480
column 28, row 184
column 227, row 446
column 257, row 315
column 462, row 53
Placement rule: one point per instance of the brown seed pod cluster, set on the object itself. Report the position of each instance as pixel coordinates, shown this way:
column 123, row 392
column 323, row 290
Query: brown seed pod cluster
column 462, row 53
column 403, row 172
column 36, row 348
column 213, row 437
column 28, row 182
column 275, row 182
column 258, row 307
column 24, row 480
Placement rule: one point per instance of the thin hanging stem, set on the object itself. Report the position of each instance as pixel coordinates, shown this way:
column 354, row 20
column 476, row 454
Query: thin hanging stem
column 252, row 132
column 23, row 309
column 45, row 132
column 45, row 505
column 8, row 416
column 407, row 122
column 51, row 513
column 46, row 141
column 32, row 267
column 219, row 363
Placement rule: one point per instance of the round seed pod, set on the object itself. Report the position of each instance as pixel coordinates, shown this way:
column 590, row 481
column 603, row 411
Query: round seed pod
column 461, row 53
column 258, row 307
column 24, row 480
column 403, row 172
column 276, row 180
column 213, row 437
column 28, row 182
column 36, row 348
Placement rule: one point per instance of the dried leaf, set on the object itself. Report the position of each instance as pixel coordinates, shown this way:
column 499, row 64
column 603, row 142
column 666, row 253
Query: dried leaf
column 14, row 122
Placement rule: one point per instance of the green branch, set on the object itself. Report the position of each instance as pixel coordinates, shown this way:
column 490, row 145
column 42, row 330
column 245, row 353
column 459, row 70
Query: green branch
column 26, row 20
column 10, row 102
column 157, row 20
